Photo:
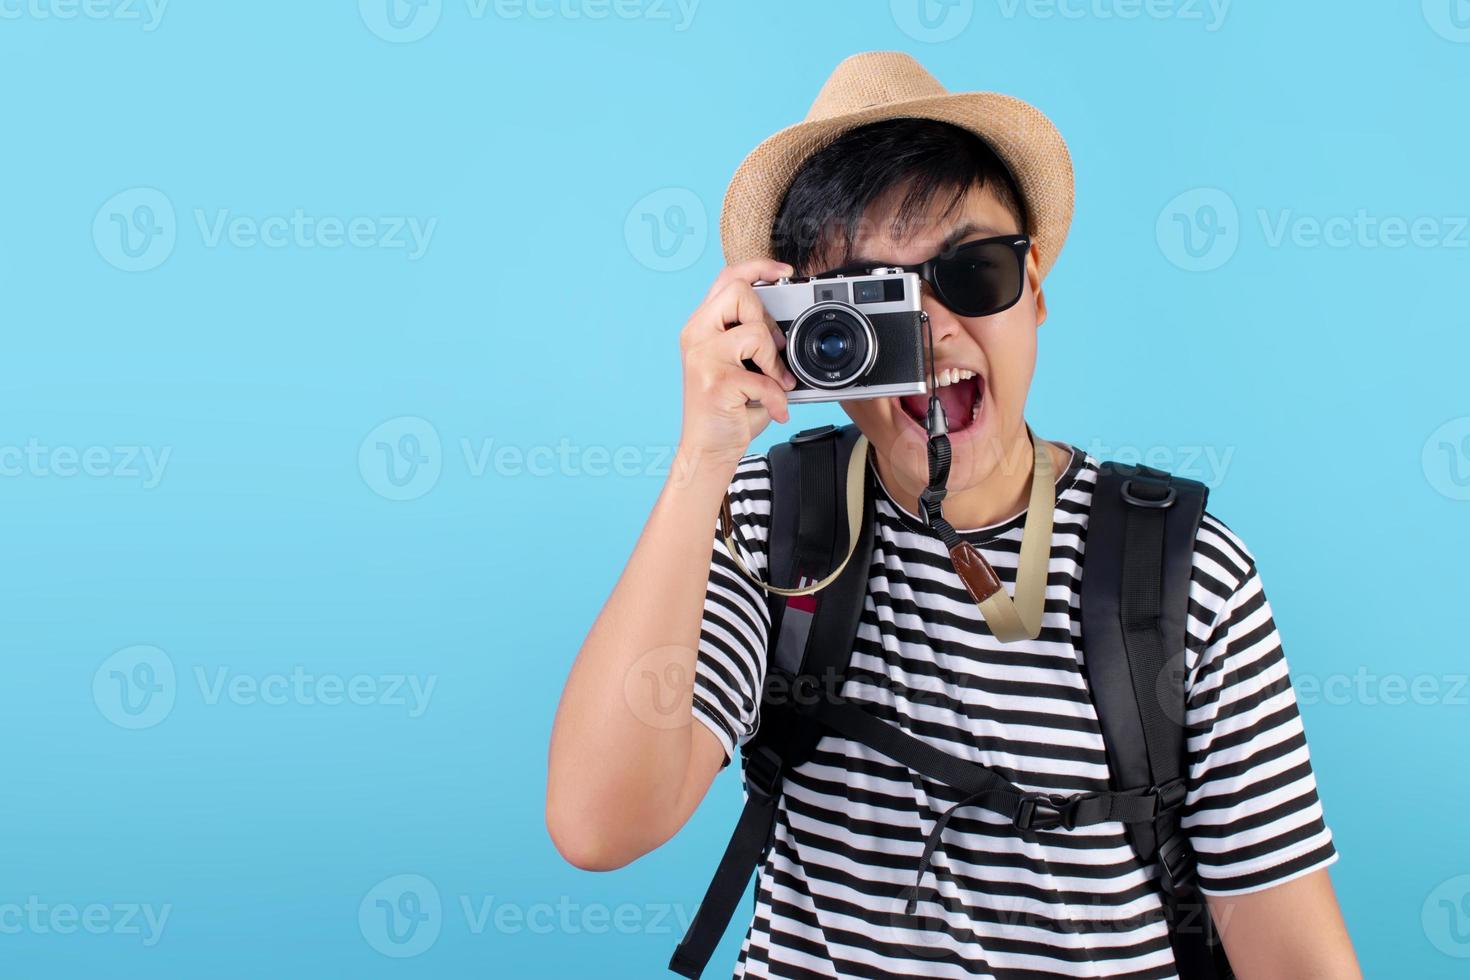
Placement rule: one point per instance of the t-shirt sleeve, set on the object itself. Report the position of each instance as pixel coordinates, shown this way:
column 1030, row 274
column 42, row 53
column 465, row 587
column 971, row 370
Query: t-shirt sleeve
column 1252, row 811
column 730, row 668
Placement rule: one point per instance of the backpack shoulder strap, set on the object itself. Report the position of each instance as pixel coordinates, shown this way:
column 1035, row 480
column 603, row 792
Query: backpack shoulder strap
column 808, row 533
column 1135, row 607
column 811, row 637
column 812, row 640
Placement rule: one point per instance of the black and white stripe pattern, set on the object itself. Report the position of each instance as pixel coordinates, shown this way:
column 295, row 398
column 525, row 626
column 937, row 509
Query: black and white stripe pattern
column 851, row 823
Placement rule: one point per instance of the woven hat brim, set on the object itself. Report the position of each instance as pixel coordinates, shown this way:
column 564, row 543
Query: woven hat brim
column 1024, row 139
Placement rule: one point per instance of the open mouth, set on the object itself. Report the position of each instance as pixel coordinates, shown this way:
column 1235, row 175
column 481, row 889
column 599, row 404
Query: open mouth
column 960, row 395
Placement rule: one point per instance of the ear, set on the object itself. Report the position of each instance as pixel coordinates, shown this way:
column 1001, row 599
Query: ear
column 1033, row 275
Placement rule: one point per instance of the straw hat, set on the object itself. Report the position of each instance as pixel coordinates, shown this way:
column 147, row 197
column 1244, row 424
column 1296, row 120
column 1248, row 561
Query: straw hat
column 890, row 85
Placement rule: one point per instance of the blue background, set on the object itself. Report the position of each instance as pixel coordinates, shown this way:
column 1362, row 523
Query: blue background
column 543, row 313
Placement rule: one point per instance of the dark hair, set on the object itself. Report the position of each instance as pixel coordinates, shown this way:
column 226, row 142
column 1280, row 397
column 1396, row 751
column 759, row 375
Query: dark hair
column 833, row 189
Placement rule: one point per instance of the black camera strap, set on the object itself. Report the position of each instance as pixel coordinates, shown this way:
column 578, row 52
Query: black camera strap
column 1008, row 619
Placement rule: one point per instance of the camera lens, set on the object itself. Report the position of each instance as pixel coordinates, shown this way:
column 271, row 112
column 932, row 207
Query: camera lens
column 831, row 346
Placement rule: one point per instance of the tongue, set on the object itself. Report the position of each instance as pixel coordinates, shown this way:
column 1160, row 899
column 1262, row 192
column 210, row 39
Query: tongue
column 957, row 400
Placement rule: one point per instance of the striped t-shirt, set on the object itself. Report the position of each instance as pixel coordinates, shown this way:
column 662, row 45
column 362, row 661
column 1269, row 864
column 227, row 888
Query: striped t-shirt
column 851, row 823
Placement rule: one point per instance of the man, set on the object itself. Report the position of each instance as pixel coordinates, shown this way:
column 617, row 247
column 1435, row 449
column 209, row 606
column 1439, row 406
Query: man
column 891, row 170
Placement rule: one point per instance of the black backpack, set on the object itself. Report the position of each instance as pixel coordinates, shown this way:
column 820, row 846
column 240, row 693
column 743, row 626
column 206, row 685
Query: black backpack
column 1134, row 604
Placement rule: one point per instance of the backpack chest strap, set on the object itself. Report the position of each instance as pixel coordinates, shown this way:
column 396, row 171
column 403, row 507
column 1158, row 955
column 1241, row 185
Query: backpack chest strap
column 984, row 787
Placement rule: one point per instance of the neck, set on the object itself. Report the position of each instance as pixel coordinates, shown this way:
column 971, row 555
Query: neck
column 1001, row 495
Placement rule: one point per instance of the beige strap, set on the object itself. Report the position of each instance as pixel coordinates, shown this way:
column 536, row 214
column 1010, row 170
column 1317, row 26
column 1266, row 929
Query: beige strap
column 1021, row 619
column 856, row 465
column 1009, row 620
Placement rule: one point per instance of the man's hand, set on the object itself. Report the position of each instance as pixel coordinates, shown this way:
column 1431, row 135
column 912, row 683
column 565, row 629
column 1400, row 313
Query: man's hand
column 732, row 326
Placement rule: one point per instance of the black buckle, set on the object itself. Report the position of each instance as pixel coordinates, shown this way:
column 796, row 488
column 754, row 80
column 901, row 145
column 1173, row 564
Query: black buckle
column 1176, row 863
column 1169, row 796
column 763, row 773
column 1047, row 811
column 930, row 499
column 815, row 435
column 1160, row 502
column 806, row 693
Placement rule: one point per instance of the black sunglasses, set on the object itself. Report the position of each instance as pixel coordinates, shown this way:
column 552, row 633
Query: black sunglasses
column 977, row 278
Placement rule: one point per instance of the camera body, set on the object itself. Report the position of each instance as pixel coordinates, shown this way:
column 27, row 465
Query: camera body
column 848, row 337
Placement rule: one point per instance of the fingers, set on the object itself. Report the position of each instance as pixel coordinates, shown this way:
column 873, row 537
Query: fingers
column 757, row 342
column 736, row 302
column 723, row 360
column 729, row 388
column 735, row 381
column 748, row 272
column 758, row 388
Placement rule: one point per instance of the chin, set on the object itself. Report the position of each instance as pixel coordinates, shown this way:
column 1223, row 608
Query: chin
column 977, row 438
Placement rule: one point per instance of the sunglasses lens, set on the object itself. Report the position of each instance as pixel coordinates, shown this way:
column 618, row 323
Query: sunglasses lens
column 979, row 279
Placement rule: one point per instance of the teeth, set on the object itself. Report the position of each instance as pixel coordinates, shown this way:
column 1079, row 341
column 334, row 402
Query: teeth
column 949, row 376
